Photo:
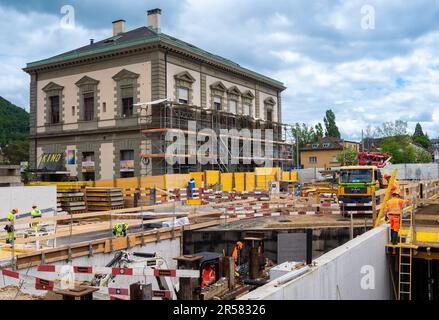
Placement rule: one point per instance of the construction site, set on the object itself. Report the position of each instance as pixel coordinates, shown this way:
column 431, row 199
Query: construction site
column 265, row 235
column 114, row 209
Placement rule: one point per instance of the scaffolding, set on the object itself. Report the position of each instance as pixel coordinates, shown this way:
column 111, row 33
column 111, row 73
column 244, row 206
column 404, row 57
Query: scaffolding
column 169, row 116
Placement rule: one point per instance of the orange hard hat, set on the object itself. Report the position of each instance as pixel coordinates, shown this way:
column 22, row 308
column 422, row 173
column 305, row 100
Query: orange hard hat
column 240, row 245
column 386, row 175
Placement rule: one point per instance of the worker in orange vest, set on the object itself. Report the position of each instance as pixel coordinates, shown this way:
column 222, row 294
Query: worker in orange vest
column 393, row 212
column 209, row 276
column 386, row 181
column 237, row 252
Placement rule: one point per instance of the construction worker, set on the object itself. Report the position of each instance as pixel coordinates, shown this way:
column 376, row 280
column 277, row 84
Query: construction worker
column 120, row 229
column 35, row 213
column 386, row 181
column 237, row 252
column 393, row 212
column 191, row 185
column 209, row 276
column 10, row 227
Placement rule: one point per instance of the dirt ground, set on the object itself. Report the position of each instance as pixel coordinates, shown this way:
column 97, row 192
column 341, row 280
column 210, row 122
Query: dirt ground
column 12, row 293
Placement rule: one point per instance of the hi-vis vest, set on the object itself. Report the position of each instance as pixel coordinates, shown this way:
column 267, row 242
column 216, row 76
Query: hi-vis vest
column 10, row 216
column 395, row 206
column 36, row 213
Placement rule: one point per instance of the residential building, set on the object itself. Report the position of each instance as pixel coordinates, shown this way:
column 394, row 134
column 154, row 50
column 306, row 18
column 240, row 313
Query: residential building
column 323, row 153
column 435, row 150
column 89, row 105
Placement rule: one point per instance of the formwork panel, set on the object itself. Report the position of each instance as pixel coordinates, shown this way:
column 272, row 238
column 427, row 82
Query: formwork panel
column 177, row 181
column 227, row 181
column 199, row 178
column 249, row 181
column 239, row 178
column 212, row 178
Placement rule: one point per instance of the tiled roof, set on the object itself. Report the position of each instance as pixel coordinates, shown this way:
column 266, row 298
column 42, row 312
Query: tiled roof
column 325, row 143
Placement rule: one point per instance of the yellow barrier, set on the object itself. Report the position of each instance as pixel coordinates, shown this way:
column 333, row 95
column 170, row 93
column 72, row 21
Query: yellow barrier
column 199, row 178
column 227, row 181
column 153, row 181
column 127, row 182
column 177, row 181
column 239, row 178
column 212, row 178
column 286, row 175
column 249, row 181
column 238, row 181
column 105, row 183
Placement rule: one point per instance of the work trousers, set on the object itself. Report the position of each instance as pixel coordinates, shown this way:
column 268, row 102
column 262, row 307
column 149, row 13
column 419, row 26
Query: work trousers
column 394, row 236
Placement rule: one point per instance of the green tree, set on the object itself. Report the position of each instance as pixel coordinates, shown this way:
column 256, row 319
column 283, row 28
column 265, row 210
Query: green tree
column 319, row 130
column 14, row 123
column 392, row 129
column 418, row 131
column 424, row 141
column 348, row 157
column 304, row 136
column 330, row 125
column 420, row 138
column 16, row 152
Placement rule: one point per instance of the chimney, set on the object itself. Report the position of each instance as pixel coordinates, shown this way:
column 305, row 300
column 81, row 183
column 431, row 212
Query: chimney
column 118, row 27
column 154, row 16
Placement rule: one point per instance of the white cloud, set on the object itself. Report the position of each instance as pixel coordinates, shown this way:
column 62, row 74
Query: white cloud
column 28, row 37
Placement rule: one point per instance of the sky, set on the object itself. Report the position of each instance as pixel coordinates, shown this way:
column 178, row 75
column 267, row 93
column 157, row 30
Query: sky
column 369, row 61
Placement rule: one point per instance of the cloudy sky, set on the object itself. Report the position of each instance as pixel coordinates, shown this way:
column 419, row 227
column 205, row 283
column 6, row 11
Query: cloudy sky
column 370, row 61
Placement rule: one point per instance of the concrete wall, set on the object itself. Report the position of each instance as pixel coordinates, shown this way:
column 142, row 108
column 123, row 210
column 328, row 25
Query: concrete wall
column 23, row 198
column 167, row 249
column 356, row 270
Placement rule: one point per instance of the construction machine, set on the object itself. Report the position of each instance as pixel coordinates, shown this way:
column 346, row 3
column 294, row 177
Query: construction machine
column 357, row 183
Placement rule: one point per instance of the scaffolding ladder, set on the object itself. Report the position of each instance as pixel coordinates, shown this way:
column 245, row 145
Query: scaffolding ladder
column 406, row 256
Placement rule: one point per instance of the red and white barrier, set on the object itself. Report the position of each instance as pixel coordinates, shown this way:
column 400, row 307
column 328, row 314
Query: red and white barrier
column 174, row 273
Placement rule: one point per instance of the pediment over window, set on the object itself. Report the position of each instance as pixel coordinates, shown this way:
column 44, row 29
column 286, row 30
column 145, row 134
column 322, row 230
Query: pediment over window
column 270, row 101
column 218, row 86
column 248, row 95
column 234, row 90
column 85, row 80
column 185, row 76
column 52, row 86
column 125, row 74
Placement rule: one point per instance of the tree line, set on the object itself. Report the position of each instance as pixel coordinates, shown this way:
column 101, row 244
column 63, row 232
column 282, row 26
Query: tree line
column 389, row 137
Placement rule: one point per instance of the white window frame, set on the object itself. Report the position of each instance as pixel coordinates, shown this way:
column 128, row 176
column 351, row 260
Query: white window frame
column 180, row 89
column 235, row 106
column 249, row 106
column 215, row 101
column 312, row 158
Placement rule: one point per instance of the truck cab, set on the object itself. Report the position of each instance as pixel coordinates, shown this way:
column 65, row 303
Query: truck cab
column 357, row 183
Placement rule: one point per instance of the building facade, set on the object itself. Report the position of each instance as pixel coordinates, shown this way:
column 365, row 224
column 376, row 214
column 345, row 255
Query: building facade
column 324, row 152
column 90, row 106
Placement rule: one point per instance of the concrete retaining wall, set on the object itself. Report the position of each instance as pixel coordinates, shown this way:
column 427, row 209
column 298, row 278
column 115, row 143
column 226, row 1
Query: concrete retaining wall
column 23, row 198
column 356, row 270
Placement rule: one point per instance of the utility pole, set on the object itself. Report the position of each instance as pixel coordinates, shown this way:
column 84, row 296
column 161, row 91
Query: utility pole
column 297, row 150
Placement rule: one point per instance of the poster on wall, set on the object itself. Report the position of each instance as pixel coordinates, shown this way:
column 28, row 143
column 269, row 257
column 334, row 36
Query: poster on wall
column 127, row 166
column 71, row 157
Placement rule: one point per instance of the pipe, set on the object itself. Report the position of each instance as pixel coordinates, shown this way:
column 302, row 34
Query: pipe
column 255, row 282
column 291, row 276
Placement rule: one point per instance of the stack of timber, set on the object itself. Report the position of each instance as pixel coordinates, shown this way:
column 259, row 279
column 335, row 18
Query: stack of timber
column 71, row 199
column 104, row 199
